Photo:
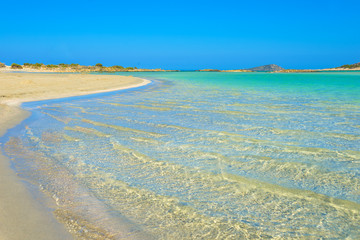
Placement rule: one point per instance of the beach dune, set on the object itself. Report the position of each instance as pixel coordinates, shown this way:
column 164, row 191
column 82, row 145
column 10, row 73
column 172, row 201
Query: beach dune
column 21, row 216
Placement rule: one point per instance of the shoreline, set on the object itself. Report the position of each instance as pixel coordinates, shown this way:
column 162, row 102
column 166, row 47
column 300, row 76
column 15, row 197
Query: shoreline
column 22, row 216
column 30, row 87
column 90, row 69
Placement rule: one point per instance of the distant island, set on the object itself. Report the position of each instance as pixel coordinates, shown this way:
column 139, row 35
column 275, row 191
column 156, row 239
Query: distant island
column 267, row 68
column 264, row 68
column 277, row 69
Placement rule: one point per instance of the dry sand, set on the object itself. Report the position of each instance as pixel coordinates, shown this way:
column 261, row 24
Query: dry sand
column 21, row 216
column 16, row 88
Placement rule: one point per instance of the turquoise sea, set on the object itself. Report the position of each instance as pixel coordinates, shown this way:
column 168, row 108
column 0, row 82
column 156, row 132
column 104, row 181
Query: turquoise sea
column 201, row 155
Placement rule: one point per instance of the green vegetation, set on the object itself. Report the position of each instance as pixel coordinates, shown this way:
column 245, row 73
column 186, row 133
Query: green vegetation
column 2, row 65
column 52, row 66
column 75, row 67
column 63, row 65
column 118, row 67
column 350, row 66
column 16, row 66
column 33, row 65
column 38, row 65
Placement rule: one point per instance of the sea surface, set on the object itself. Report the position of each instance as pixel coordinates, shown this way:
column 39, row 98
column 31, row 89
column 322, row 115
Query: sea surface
column 201, row 155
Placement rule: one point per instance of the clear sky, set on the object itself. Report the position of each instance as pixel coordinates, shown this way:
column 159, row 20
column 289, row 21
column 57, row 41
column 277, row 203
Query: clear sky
column 182, row 34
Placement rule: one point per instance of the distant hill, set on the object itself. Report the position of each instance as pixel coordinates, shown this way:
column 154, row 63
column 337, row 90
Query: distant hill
column 267, row 68
column 350, row 66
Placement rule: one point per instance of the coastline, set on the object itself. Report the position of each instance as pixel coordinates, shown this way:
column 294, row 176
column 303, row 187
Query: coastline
column 113, row 69
column 77, row 69
column 22, row 217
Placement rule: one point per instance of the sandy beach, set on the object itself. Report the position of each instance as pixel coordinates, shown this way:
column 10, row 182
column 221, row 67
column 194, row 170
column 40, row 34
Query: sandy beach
column 21, row 216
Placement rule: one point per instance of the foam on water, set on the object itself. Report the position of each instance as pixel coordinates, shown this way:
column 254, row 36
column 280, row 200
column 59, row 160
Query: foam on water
column 202, row 156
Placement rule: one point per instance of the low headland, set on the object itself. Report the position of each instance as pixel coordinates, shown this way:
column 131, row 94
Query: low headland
column 23, row 217
column 72, row 68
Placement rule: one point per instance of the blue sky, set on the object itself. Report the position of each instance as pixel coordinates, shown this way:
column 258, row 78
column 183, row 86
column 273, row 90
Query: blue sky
column 181, row 34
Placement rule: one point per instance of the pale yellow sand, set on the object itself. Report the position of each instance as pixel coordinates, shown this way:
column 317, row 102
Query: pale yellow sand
column 21, row 216
column 23, row 87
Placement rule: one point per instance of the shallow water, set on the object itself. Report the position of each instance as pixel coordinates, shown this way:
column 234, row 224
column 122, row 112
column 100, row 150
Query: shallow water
column 201, row 156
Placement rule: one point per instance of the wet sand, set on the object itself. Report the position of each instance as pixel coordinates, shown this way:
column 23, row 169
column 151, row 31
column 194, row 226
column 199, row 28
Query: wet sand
column 21, row 215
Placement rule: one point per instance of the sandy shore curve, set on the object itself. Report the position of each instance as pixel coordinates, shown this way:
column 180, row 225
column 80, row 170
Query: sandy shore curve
column 21, row 216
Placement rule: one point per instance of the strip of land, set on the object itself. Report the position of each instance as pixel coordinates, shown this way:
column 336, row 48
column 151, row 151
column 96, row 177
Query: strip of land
column 72, row 68
column 21, row 216
column 76, row 68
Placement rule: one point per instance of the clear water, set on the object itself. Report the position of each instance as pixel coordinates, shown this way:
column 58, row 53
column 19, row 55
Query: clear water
column 201, row 156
